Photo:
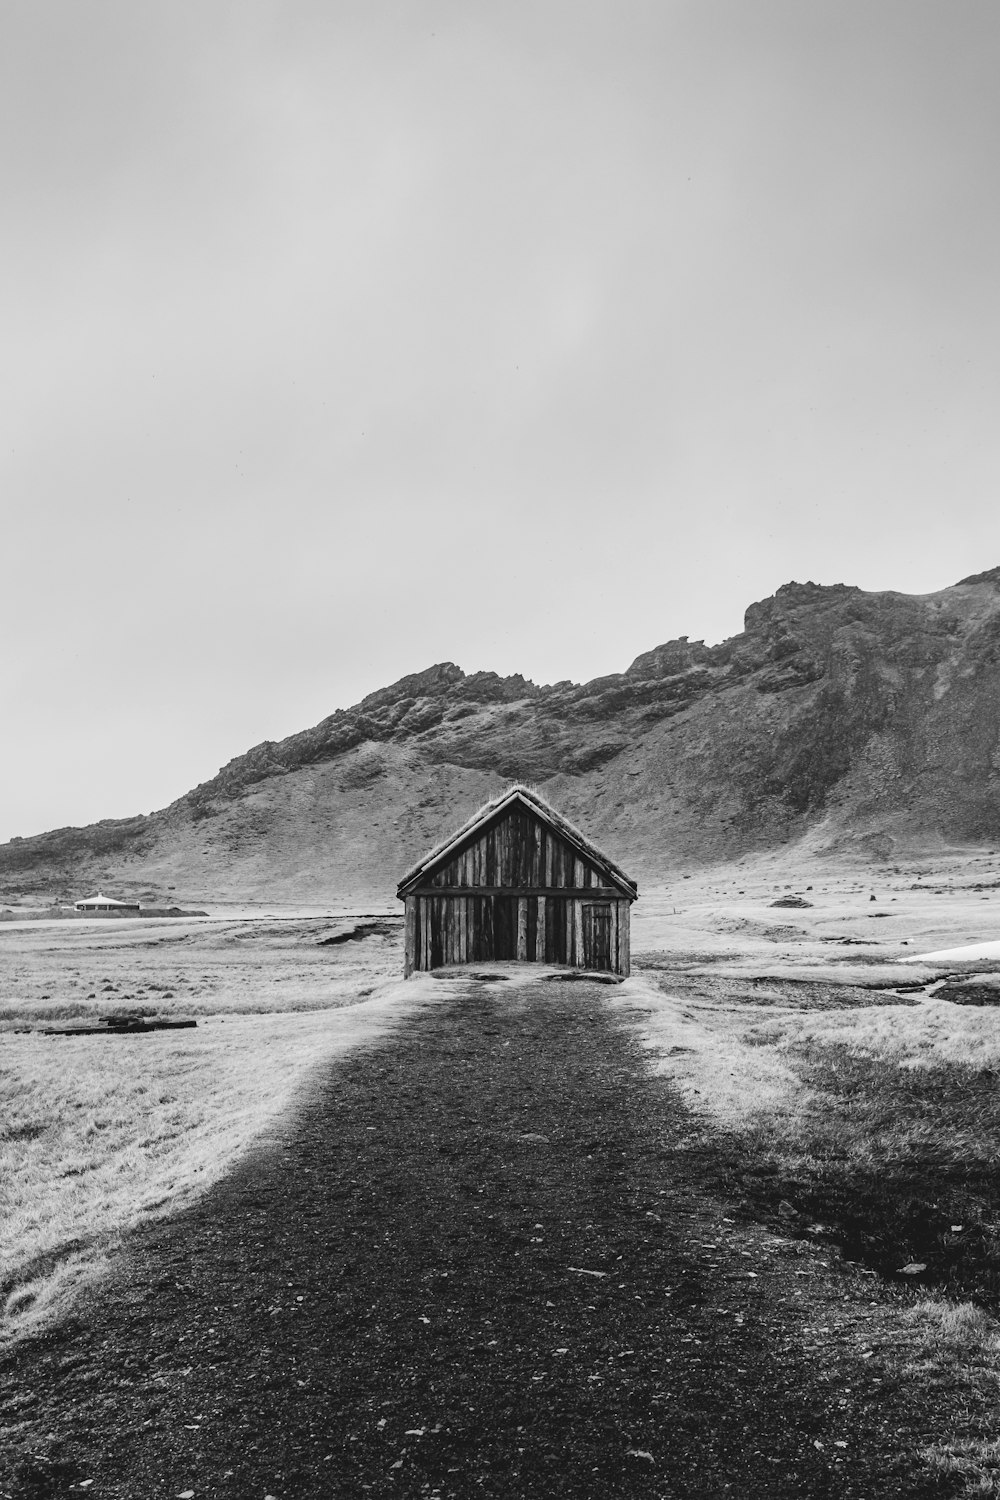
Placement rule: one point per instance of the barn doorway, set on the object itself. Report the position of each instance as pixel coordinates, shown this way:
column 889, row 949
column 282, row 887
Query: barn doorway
column 597, row 936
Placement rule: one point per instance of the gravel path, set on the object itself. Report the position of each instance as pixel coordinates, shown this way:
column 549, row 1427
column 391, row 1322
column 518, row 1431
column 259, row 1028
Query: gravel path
column 475, row 1264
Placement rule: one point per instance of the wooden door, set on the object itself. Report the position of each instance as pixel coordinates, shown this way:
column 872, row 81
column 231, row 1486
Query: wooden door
column 501, row 928
column 597, row 936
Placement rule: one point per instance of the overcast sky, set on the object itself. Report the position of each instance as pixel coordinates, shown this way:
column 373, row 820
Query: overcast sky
column 341, row 339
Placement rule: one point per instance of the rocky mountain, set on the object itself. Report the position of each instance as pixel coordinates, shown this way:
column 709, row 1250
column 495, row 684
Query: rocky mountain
column 865, row 723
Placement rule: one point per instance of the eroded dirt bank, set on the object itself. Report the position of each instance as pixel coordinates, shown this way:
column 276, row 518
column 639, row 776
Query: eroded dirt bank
column 477, row 1264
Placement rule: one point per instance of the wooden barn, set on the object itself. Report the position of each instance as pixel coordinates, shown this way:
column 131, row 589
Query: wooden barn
column 517, row 882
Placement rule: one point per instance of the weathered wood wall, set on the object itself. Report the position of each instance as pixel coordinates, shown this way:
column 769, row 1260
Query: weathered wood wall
column 474, row 928
column 519, row 851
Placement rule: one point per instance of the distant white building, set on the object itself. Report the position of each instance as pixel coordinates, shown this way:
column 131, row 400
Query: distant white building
column 104, row 904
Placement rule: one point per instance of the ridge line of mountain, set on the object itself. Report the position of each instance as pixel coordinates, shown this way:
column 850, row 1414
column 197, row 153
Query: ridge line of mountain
column 865, row 719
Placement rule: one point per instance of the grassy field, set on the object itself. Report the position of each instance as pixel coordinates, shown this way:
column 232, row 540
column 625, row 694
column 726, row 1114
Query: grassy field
column 874, row 1134
column 838, row 1108
column 100, row 1133
column 881, row 1124
column 70, row 971
column 849, row 1113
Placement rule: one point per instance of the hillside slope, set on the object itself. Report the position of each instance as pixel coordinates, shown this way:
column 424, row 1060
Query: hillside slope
column 866, row 722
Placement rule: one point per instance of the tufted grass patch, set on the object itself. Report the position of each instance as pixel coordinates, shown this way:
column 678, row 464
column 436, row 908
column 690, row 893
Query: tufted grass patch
column 873, row 1131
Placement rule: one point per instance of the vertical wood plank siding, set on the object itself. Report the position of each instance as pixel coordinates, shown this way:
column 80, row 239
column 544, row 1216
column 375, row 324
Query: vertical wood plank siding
column 516, row 851
column 625, row 939
column 522, row 928
column 448, row 930
column 410, row 928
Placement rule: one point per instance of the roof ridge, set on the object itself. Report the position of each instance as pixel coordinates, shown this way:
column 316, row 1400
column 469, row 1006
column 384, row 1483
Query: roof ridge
column 541, row 804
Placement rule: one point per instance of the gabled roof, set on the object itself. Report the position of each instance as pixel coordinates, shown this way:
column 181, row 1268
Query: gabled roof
column 492, row 811
column 100, row 900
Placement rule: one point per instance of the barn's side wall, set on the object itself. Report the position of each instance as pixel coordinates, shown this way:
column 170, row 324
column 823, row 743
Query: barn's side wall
column 458, row 929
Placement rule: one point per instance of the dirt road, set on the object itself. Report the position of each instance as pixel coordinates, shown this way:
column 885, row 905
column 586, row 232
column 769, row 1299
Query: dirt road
column 477, row 1263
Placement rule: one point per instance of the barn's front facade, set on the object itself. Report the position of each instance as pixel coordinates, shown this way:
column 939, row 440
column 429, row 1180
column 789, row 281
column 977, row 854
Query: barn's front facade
column 519, row 883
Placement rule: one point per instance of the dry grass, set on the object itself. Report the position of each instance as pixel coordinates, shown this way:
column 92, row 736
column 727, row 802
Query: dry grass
column 69, row 973
column 880, row 1125
column 877, row 1128
column 99, row 1134
column 703, row 1049
column 946, row 1338
column 929, row 1035
column 745, row 1062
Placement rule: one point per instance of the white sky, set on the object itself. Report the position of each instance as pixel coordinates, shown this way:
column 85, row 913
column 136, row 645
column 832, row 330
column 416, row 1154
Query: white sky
column 341, row 339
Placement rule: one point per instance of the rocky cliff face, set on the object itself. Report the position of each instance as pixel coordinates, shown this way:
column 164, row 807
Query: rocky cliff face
column 863, row 721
